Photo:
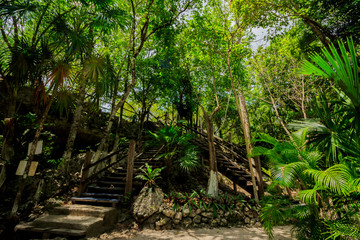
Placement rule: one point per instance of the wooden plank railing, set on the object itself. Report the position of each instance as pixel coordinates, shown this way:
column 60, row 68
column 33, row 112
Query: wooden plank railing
column 228, row 146
column 85, row 178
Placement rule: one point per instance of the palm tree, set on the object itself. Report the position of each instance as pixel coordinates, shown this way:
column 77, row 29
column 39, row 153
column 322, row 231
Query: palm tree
column 96, row 70
column 340, row 66
column 322, row 191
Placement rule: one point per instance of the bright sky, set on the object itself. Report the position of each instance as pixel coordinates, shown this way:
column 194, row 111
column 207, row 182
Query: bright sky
column 259, row 38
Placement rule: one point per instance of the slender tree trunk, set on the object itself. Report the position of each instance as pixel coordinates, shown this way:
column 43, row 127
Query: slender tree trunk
column 32, row 155
column 242, row 111
column 7, row 148
column 74, row 126
column 213, row 179
column 320, row 32
column 247, row 134
column 303, row 108
column 113, row 113
column 278, row 115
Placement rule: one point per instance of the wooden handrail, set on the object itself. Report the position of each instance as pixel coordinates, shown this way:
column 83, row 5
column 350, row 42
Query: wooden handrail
column 222, row 144
column 102, row 170
column 104, row 158
column 155, row 154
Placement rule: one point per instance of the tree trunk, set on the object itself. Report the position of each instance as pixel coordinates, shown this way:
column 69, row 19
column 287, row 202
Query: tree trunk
column 74, row 126
column 7, row 148
column 105, row 138
column 242, row 111
column 213, row 180
column 247, row 134
column 32, row 155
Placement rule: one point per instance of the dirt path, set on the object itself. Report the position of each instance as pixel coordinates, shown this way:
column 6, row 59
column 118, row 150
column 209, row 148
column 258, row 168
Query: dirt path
column 280, row 233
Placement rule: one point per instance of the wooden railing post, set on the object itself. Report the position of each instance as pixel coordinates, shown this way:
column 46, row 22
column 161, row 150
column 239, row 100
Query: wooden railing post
column 85, row 171
column 130, row 168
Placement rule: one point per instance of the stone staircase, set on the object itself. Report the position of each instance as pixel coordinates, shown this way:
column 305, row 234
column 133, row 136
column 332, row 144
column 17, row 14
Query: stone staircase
column 233, row 167
column 70, row 221
column 109, row 190
column 90, row 214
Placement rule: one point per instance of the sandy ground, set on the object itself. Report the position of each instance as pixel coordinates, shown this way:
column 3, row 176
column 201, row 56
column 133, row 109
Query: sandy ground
column 280, row 233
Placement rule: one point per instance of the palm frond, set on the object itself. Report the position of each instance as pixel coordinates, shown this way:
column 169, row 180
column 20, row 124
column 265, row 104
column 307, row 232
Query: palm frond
column 338, row 66
column 288, row 174
column 300, row 136
column 336, row 178
column 263, row 137
column 344, row 230
column 309, row 196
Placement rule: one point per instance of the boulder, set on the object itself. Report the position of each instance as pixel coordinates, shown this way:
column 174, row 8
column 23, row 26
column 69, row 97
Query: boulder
column 147, row 203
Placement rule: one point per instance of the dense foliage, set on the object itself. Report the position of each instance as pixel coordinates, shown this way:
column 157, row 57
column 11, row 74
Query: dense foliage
column 296, row 98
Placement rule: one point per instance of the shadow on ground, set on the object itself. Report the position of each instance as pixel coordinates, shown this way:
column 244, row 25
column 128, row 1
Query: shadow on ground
column 280, row 233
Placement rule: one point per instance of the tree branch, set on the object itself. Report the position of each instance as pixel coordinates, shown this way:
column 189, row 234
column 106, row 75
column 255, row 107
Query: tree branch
column 50, row 24
column 39, row 22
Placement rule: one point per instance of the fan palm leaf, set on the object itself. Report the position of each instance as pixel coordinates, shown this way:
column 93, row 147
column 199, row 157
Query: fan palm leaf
column 338, row 66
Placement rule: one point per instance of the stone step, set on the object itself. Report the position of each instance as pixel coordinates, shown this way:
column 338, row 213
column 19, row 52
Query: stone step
column 85, row 210
column 103, row 195
column 68, row 222
column 118, row 174
column 113, row 202
column 64, row 232
column 114, row 178
column 107, row 183
column 98, row 189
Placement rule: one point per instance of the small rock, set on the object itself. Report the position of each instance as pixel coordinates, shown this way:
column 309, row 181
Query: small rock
column 220, row 212
column 192, row 213
column 161, row 222
column 178, row 216
column 197, row 219
column 186, row 212
column 214, row 223
column 204, row 220
column 187, row 222
column 207, row 214
column 258, row 224
column 152, row 219
column 203, row 225
column 198, row 211
column 223, row 222
column 227, row 215
column 169, row 213
column 247, row 220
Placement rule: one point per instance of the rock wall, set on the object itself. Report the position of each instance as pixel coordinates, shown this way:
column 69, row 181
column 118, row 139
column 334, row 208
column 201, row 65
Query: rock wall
column 167, row 218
